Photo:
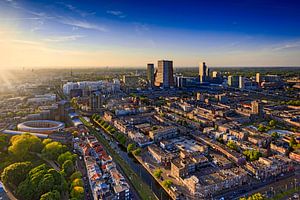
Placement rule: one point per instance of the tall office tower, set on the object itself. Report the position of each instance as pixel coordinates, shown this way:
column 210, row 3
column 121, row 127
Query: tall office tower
column 95, row 102
column 241, row 82
column 256, row 107
column 233, row 81
column 150, row 74
column 164, row 74
column 203, row 72
column 216, row 74
column 258, row 78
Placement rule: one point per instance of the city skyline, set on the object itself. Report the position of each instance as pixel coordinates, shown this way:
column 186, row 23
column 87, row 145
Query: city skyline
column 98, row 33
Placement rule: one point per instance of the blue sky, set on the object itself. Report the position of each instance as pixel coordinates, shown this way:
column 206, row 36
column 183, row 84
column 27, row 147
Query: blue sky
column 133, row 33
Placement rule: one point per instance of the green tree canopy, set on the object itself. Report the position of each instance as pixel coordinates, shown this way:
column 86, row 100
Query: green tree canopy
column 130, row 147
column 232, row 145
column 157, row 173
column 53, row 195
column 252, row 155
column 167, row 183
column 15, row 173
column 47, row 141
column 77, row 182
column 275, row 135
column 21, row 145
column 52, row 150
column 3, row 142
column 137, row 152
column 77, row 192
column 292, row 141
column 68, row 167
column 75, row 175
column 66, row 156
column 40, row 180
column 272, row 123
column 256, row 196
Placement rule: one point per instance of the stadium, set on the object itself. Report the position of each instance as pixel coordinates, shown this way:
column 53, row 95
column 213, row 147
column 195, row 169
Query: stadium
column 41, row 126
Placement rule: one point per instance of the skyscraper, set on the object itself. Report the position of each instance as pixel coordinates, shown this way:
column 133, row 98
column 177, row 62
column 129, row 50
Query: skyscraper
column 258, row 78
column 233, row 81
column 150, row 74
column 95, row 101
column 164, row 74
column 203, row 72
column 241, row 82
column 216, row 74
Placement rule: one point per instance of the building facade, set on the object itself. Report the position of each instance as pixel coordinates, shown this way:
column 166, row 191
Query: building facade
column 203, row 72
column 150, row 74
column 164, row 74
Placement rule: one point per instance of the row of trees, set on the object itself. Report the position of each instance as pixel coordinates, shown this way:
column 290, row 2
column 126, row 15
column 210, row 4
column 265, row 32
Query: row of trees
column 121, row 138
column 292, row 102
column 256, row 196
column 132, row 149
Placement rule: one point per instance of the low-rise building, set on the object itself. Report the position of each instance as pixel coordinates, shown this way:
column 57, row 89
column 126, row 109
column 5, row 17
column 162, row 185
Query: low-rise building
column 163, row 133
column 207, row 185
column 295, row 155
column 162, row 157
column 265, row 168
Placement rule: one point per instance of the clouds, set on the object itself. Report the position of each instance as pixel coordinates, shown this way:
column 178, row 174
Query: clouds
column 287, row 46
column 82, row 24
column 76, row 10
column 64, row 38
column 117, row 13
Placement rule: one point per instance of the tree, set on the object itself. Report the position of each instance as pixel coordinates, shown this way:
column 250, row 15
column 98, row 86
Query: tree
column 66, row 156
column 252, row 155
column 261, row 128
column 46, row 183
column 40, row 180
column 275, row 135
column 15, row 173
column 232, row 145
column 75, row 133
column 157, row 173
column 3, row 142
column 272, row 123
column 47, row 141
column 75, row 175
column 77, row 182
column 256, row 196
column 21, row 145
column 77, row 192
column 167, row 183
column 53, row 195
column 137, row 152
column 130, row 147
column 68, row 167
column 292, row 141
column 52, row 150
